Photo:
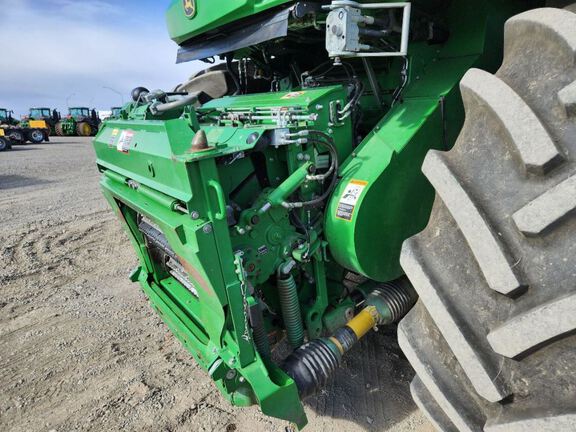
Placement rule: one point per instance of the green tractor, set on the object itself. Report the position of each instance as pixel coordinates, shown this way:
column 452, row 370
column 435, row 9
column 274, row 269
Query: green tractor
column 6, row 117
column 51, row 117
column 351, row 165
column 115, row 113
column 80, row 121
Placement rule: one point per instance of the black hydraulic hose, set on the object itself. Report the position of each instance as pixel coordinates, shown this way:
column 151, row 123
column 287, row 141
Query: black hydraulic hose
column 404, row 76
column 180, row 103
column 229, row 58
column 329, row 142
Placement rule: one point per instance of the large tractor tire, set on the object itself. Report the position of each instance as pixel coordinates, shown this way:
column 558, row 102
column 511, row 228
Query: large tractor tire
column 58, row 129
column 36, row 136
column 493, row 336
column 83, row 129
column 16, row 136
column 5, row 144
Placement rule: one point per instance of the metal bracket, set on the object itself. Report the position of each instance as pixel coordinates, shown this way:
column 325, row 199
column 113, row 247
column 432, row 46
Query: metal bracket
column 343, row 29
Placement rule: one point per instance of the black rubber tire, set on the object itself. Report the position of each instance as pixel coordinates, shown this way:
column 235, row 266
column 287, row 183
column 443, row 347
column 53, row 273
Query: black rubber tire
column 83, row 129
column 16, row 136
column 58, row 129
column 493, row 335
column 5, row 144
column 35, row 136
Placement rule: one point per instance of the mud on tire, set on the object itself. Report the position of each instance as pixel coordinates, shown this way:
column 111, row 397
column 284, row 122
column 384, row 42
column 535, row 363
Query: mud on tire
column 83, row 129
column 58, row 129
column 492, row 338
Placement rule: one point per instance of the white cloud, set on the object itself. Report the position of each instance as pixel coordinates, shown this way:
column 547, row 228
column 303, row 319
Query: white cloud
column 48, row 56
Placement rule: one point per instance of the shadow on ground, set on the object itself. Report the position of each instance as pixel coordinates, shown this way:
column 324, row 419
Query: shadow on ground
column 16, row 181
column 372, row 388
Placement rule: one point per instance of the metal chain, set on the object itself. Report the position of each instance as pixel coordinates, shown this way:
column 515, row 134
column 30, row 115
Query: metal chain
column 242, row 278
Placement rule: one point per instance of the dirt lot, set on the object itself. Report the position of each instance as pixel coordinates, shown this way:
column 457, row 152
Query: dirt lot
column 80, row 348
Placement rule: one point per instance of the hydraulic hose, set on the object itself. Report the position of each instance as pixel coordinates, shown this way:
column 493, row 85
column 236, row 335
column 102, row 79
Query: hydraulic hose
column 329, row 142
column 312, row 365
column 180, row 103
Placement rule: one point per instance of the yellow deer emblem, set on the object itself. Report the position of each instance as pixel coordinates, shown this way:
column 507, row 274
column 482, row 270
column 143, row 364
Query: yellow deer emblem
column 189, row 8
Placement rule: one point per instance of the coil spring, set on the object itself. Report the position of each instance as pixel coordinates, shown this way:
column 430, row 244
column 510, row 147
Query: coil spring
column 261, row 340
column 288, row 294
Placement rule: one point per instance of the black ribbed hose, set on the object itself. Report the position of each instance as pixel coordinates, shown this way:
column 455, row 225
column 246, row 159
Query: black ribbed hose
column 312, row 365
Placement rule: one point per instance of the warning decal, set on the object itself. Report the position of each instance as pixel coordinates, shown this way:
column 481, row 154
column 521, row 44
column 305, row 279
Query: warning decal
column 293, row 95
column 124, row 141
column 113, row 136
column 349, row 199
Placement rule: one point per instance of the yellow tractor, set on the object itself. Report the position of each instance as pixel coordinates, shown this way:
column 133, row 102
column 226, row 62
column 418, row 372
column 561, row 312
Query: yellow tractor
column 5, row 143
column 35, row 131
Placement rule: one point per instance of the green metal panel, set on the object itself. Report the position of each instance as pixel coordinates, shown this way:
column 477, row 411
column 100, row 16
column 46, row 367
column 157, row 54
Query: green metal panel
column 211, row 14
column 203, row 203
column 395, row 199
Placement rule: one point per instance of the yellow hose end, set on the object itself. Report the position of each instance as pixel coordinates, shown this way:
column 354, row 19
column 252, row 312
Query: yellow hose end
column 364, row 321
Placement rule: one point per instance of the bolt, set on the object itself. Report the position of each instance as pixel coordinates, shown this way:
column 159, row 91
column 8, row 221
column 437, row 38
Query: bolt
column 207, row 229
column 231, row 374
column 195, row 215
column 242, row 379
column 300, row 156
column 319, row 107
column 231, row 361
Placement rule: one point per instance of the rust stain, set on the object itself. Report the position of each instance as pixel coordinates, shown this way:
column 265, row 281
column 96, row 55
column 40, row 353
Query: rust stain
column 206, row 287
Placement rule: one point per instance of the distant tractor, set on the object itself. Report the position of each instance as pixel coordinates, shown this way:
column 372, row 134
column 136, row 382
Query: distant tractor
column 50, row 116
column 5, row 143
column 115, row 113
column 81, row 121
column 34, row 131
column 6, row 117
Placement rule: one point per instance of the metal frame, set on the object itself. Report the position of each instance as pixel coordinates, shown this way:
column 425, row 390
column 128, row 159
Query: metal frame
column 407, row 12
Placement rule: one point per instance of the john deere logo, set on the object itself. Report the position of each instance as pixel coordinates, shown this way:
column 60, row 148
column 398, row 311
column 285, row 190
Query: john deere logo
column 189, row 7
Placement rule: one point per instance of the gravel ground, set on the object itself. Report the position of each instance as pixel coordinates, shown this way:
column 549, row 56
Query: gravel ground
column 80, row 348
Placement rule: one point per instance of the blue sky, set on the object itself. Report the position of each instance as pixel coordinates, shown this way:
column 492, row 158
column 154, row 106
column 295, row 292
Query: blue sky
column 54, row 50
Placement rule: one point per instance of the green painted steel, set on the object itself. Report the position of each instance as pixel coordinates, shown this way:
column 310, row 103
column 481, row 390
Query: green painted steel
column 395, row 199
column 150, row 169
column 211, row 14
column 226, row 201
